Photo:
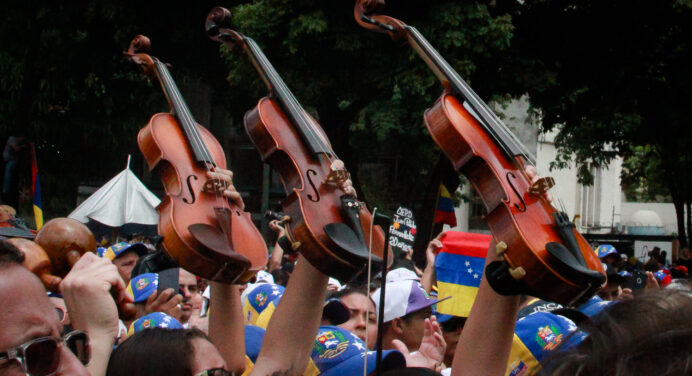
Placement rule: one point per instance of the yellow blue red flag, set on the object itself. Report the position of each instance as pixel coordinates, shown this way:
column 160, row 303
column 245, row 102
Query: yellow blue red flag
column 36, row 190
column 444, row 213
column 459, row 269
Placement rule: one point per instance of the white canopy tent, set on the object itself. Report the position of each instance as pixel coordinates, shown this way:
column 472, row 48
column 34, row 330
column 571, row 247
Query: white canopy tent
column 124, row 200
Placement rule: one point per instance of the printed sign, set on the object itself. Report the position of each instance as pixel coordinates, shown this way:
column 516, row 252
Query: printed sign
column 402, row 232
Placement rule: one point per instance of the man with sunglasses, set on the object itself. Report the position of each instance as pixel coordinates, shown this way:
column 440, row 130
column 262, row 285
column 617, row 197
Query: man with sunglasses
column 31, row 341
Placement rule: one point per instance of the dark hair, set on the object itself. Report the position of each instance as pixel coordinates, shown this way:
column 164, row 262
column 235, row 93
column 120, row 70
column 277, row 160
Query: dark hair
column 9, row 254
column 280, row 277
column 155, row 351
column 648, row 335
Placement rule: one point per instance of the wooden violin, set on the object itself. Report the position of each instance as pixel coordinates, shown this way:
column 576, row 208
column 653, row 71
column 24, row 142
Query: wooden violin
column 204, row 232
column 545, row 255
column 330, row 228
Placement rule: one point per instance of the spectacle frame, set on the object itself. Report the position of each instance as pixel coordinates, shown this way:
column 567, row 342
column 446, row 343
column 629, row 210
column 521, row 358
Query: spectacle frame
column 41, row 356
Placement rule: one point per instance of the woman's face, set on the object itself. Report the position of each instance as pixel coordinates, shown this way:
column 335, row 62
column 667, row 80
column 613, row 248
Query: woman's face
column 361, row 320
column 206, row 356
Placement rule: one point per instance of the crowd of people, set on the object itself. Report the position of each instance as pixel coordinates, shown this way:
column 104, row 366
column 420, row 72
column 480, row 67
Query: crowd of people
column 294, row 320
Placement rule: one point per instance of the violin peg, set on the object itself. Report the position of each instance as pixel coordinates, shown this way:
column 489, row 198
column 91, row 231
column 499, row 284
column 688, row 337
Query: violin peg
column 517, row 273
column 541, row 186
column 500, row 248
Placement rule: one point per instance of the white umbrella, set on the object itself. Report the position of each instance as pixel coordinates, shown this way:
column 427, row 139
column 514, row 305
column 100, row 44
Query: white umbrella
column 123, row 200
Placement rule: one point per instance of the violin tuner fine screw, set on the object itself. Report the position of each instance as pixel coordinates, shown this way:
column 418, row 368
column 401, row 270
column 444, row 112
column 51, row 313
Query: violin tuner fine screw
column 517, row 273
column 500, row 248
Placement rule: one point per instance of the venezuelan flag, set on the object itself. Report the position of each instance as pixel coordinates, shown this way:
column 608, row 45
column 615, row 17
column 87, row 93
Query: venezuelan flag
column 445, row 208
column 459, row 269
column 36, row 189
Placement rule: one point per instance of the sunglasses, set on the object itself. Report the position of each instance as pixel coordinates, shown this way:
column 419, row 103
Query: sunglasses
column 41, row 356
column 215, row 372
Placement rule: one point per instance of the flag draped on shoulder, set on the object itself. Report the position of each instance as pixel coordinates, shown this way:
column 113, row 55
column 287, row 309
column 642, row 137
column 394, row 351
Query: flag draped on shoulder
column 459, row 269
column 36, row 190
column 444, row 213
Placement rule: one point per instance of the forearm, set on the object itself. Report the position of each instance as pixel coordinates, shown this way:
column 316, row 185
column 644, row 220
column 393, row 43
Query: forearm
column 291, row 332
column 275, row 259
column 226, row 325
column 427, row 280
column 101, row 344
column 486, row 339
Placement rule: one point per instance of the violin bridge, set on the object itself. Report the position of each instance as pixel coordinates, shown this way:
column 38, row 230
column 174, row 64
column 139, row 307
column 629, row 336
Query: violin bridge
column 337, row 177
column 541, row 186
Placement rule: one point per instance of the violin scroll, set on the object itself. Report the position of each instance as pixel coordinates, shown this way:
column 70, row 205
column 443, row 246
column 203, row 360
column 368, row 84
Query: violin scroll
column 136, row 52
column 366, row 15
column 218, row 25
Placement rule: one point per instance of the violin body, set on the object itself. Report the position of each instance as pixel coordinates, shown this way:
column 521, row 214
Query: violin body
column 311, row 203
column 164, row 147
column 524, row 221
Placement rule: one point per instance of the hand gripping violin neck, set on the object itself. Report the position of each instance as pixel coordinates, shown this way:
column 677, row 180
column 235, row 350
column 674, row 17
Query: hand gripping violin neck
column 545, row 255
column 328, row 226
column 204, row 232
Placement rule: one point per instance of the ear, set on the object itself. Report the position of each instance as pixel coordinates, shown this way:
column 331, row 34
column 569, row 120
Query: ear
column 398, row 325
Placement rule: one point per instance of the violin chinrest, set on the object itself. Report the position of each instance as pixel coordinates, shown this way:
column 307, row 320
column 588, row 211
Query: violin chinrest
column 573, row 268
column 215, row 240
column 347, row 240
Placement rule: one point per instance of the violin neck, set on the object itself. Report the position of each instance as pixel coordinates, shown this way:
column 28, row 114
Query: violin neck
column 182, row 113
column 449, row 77
column 305, row 125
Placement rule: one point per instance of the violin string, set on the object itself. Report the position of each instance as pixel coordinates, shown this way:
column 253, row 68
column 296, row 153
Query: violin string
column 287, row 95
column 449, row 73
column 187, row 122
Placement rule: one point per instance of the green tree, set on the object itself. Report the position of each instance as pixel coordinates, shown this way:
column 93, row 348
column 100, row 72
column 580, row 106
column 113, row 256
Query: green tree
column 614, row 78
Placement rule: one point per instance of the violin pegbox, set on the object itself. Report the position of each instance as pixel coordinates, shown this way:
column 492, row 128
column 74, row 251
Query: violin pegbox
column 218, row 27
column 137, row 52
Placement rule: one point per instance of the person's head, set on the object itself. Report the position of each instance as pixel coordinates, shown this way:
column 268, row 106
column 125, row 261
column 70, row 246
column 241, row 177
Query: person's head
column 648, row 335
column 188, row 288
column 451, row 331
column 608, row 254
column 124, row 256
column 165, row 352
column 28, row 315
column 363, row 316
column 406, row 307
column 7, row 212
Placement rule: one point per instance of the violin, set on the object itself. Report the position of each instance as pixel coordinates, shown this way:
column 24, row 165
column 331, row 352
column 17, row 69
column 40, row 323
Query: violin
column 544, row 255
column 330, row 228
column 205, row 233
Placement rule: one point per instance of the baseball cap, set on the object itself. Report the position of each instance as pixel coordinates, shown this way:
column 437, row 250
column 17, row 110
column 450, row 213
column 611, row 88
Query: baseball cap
column 535, row 336
column 262, row 299
column 594, row 306
column 154, row 320
column 338, row 352
column 663, row 278
column 402, row 298
column 402, row 274
column 254, row 335
column 118, row 249
column 264, row 277
column 604, row 250
column 142, row 286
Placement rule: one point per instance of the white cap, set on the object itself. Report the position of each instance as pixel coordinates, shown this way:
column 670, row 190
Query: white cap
column 402, row 274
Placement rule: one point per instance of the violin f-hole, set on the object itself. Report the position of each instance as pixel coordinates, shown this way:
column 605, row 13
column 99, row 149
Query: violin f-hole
column 521, row 208
column 316, row 197
column 189, row 187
